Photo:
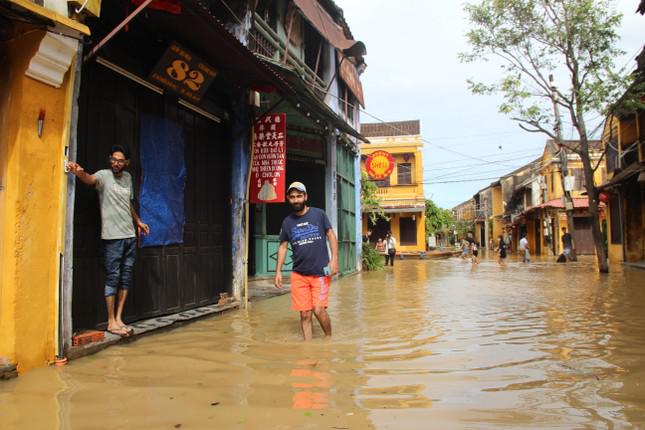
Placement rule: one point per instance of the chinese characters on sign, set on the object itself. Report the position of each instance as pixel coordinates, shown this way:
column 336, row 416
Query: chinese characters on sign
column 379, row 165
column 184, row 73
column 269, row 159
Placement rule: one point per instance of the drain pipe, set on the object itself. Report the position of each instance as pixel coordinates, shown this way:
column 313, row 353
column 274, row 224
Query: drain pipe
column 246, row 221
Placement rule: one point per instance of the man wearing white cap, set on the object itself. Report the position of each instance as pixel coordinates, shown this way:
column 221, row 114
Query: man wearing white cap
column 308, row 229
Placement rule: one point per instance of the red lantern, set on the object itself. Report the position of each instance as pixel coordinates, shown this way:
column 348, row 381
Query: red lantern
column 603, row 197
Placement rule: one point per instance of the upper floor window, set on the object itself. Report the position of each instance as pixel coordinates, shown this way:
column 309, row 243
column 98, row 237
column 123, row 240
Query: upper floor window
column 404, row 173
column 579, row 179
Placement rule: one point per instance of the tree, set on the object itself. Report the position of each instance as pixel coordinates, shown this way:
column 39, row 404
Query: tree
column 437, row 219
column 370, row 201
column 571, row 40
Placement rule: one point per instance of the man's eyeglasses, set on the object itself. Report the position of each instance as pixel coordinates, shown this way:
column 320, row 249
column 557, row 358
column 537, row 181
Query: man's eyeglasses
column 118, row 161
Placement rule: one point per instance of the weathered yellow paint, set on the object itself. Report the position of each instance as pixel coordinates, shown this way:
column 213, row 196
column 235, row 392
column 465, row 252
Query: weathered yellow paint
column 31, row 207
column 52, row 15
column 402, row 195
column 93, row 7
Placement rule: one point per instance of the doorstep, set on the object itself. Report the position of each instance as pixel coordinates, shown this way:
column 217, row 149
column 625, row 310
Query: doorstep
column 144, row 327
column 8, row 371
column 429, row 255
column 636, row 264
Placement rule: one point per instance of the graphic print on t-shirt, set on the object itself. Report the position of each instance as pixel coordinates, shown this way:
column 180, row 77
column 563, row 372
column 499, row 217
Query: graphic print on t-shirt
column 305, row 233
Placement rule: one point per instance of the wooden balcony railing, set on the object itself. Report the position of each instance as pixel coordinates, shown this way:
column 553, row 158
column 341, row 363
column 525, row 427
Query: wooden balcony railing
column 267, row 43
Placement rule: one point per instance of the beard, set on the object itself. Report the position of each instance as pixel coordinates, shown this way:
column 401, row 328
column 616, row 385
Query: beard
column 297, row 207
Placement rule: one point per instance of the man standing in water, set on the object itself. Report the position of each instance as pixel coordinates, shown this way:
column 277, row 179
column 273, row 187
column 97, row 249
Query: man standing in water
column 116, row 195
column 308, row 229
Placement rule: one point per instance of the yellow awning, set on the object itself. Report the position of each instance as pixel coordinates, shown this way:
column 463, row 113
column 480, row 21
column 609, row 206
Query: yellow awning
column 59, row 22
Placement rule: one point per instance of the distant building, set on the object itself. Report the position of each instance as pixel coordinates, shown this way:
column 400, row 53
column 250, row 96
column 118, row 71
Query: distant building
column 401, row 191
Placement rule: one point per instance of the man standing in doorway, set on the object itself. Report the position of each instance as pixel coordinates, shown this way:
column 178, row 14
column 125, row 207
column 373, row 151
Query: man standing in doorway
column 308, row 229
column 567, row 243
column 116, row 196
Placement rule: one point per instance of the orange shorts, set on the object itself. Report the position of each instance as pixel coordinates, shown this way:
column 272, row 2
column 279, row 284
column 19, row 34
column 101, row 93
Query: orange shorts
column 308, row 292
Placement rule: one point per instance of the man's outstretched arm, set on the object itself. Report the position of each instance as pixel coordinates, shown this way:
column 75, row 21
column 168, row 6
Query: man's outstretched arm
column 80, row 173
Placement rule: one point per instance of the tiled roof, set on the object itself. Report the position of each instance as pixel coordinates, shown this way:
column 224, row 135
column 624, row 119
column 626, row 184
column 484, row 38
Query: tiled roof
column 396, row 128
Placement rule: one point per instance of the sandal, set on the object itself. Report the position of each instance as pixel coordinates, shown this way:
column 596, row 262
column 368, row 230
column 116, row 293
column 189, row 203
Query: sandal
column 119, row 331
column 128, row 329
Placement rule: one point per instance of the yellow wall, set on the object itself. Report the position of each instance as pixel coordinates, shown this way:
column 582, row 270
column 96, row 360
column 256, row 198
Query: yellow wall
column 498, row 211
column 31, row 207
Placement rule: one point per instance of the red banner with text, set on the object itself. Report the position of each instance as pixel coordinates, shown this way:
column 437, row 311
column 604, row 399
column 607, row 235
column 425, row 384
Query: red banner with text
column 269, row 159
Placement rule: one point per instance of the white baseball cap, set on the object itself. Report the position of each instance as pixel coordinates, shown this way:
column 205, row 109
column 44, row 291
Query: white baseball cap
column 297, row 186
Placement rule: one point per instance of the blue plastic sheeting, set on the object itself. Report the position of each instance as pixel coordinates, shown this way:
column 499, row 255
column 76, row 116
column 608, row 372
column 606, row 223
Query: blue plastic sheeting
column 164, row 180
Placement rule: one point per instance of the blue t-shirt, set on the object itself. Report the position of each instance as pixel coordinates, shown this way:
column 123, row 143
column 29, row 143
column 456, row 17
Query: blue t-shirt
column 308, row 237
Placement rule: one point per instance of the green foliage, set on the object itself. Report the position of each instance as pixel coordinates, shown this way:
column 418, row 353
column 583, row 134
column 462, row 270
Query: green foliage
column 573, row 40
column 370, row 201
column 437, row 219
column 371, row 259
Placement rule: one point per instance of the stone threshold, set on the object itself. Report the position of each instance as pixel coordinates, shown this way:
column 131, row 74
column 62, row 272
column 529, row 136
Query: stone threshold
column 149, row 326
column 637, row 264
column 8, row 371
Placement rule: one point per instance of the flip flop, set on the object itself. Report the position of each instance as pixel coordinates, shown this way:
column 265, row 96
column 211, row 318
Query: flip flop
column 127, row 328
column 121, row 332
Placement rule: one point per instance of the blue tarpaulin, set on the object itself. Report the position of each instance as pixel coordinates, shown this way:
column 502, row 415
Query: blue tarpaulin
column 164, row 179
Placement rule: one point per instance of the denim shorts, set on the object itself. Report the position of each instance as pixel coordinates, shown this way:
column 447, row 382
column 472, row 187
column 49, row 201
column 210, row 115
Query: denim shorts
column 118, row 259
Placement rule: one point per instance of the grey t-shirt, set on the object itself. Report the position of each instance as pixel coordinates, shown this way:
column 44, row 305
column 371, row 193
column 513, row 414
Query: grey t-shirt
column 115, row 195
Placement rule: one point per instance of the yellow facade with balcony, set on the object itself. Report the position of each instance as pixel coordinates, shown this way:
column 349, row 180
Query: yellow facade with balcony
column 401, row 194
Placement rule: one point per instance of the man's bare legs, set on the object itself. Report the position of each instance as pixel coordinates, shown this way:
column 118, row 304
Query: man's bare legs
column 123, row 294
column 323, row 318
column 115, row 323
column 306, row 322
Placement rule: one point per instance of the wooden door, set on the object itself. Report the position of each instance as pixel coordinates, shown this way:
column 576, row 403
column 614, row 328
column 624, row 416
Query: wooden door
column 582, row 236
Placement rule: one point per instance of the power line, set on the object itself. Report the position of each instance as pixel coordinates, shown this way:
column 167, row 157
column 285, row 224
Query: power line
column 460, row 180
column 428, row 142
column 478, row 164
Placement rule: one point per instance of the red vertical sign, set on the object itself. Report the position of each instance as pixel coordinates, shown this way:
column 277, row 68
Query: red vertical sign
column 269, row 159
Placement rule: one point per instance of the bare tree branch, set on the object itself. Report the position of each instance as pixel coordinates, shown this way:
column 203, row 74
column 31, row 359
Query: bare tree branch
column 537, row 128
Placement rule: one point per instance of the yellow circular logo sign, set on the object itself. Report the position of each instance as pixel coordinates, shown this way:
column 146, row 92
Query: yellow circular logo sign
column 379, row 165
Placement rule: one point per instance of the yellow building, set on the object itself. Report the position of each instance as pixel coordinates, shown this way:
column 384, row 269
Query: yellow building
column 36, row 91
column 624, row 189
column 401, row 192
column 543, row 218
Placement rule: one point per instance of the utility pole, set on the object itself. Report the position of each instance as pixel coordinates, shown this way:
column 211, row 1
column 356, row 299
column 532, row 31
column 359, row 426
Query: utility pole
column 564, row 170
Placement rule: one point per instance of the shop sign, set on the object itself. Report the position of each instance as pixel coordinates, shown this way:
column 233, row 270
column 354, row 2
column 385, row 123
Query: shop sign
column 269, row 159
column 183, row 73
column 379, row 165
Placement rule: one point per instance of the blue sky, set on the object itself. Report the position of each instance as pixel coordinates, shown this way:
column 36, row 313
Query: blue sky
column 414, row 73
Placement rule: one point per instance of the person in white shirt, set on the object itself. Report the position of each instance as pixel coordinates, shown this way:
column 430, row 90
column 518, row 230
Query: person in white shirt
column 390, row 248
column 524, row 247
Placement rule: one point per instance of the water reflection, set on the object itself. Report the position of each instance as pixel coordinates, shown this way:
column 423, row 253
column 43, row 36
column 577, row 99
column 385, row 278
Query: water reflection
column 440, row 342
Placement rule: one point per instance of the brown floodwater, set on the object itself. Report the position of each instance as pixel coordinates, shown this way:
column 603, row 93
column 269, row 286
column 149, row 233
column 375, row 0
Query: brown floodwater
column 427, row 344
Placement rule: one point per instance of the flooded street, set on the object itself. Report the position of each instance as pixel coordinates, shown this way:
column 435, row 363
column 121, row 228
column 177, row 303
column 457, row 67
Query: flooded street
column 427, row 344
